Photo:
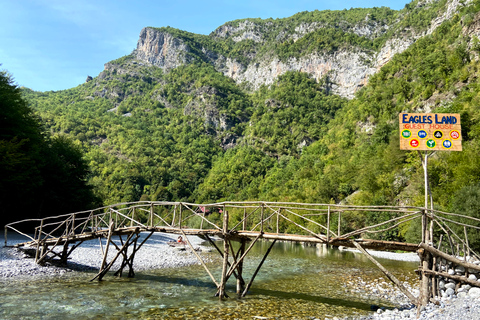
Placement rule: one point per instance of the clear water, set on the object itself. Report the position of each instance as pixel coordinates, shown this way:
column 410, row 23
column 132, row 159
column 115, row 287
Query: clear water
column 295, row 282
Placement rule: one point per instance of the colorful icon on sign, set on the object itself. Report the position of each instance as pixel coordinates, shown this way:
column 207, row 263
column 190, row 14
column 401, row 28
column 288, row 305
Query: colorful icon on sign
column 447, row 144
column 431, row 143
column 406, row 133
column 414, row 143
column 422, row 134
column 438, row 134
column 454, row 134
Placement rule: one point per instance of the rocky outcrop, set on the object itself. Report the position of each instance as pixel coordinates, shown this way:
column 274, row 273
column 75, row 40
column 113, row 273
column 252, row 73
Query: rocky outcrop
column 161, row 49
column 204, row 105
column 347, row 71
column 450, row 11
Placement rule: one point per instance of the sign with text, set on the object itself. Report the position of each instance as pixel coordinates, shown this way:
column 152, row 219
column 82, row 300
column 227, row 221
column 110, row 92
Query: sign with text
column 430, row 131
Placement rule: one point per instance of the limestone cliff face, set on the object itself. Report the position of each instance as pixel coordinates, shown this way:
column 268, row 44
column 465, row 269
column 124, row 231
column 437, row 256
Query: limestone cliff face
column 347, row 69
column 161, row 49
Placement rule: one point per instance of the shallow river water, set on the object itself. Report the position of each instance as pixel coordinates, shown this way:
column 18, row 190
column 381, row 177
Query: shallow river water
column 295, row 282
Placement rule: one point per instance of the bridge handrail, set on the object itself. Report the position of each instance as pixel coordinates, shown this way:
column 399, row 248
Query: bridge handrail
column 172, row 216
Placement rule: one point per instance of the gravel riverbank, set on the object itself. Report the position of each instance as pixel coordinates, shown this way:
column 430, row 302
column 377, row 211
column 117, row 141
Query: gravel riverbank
column 154, row 254
column 465, row 307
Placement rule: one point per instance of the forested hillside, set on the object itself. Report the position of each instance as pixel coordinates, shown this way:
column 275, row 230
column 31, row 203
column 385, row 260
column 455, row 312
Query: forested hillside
column 185, row 129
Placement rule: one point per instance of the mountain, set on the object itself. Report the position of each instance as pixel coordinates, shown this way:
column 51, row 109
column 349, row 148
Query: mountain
column 303, row 109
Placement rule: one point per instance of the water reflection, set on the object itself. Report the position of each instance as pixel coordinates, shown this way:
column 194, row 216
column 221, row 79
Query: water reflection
column 296, row 281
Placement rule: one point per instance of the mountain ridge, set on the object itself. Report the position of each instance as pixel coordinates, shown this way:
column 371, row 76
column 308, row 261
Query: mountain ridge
column 348, row 69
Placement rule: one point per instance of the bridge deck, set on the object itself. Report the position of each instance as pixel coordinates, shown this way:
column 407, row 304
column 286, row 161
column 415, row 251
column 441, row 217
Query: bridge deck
column 236, row 235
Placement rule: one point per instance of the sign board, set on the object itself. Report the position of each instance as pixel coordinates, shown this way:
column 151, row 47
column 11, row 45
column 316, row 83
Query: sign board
column 430, row 131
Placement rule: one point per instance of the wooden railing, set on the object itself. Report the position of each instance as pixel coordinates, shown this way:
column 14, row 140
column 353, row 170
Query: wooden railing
column 327, row 222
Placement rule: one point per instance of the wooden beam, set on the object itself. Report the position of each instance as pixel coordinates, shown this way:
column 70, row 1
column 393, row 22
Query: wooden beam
column 450, row 258
column 388, row 274
column 258, row 269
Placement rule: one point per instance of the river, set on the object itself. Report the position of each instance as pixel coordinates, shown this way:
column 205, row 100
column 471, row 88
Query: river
column 295, row 282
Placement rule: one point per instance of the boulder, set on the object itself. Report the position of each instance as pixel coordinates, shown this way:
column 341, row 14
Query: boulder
column 474, row 293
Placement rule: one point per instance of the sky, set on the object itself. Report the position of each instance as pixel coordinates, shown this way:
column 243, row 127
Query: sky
column 55, row 44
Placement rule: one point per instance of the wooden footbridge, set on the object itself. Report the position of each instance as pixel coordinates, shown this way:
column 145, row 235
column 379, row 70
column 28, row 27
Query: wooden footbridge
column 54, row 238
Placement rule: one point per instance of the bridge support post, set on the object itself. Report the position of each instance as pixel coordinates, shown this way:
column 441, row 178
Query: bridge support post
column 388, row 274
column 425, row 257
column 221, row 293
column 258, row 269
column 240, row 281
column 64, row 255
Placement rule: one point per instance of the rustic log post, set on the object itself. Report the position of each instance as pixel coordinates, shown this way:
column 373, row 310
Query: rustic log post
column 278, row 220
column 180, row 216
column 262, row 212
column 104, row 261
column 424, row 260
column 258, row 269
column 37, row 253
column 339, row 223
column 240, row 281
column 73, row 224
column 151, row 215
column 244, row 222
column 200, row 259
column 203, row 216
column 466, row 240
column 388, row 274
column 328, row 227
column 121, row 251
column 64, row 256
column 131, row 273
column 221, row 294
column 174, row 214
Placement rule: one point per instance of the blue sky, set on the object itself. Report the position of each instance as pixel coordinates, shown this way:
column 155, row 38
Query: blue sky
column 56, row 44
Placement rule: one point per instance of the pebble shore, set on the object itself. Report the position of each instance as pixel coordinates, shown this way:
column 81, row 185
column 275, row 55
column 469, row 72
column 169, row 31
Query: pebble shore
column 461, row 306
column 154, row 254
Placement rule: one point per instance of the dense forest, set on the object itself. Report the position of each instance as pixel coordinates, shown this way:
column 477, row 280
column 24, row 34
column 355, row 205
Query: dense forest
column 194, row 134
column 41, row 174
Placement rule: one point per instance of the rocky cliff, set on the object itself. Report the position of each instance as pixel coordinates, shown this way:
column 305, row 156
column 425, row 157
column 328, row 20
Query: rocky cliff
column 347, row 69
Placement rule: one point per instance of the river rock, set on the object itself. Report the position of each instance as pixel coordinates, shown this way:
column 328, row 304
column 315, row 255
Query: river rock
column 450, row 285
column 441, row 284
column 466, row 287
column 472, row 277
column 450, row 292
column 474, row 293
column 451, row 271
column 459, row 269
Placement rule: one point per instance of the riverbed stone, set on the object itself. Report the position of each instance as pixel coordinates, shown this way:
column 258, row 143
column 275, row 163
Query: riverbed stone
column 472, row 277
column 466, row 287
column 459, row 269
column 450, row 285
column 474, row 293
column 450, row 292
column 441, row 284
